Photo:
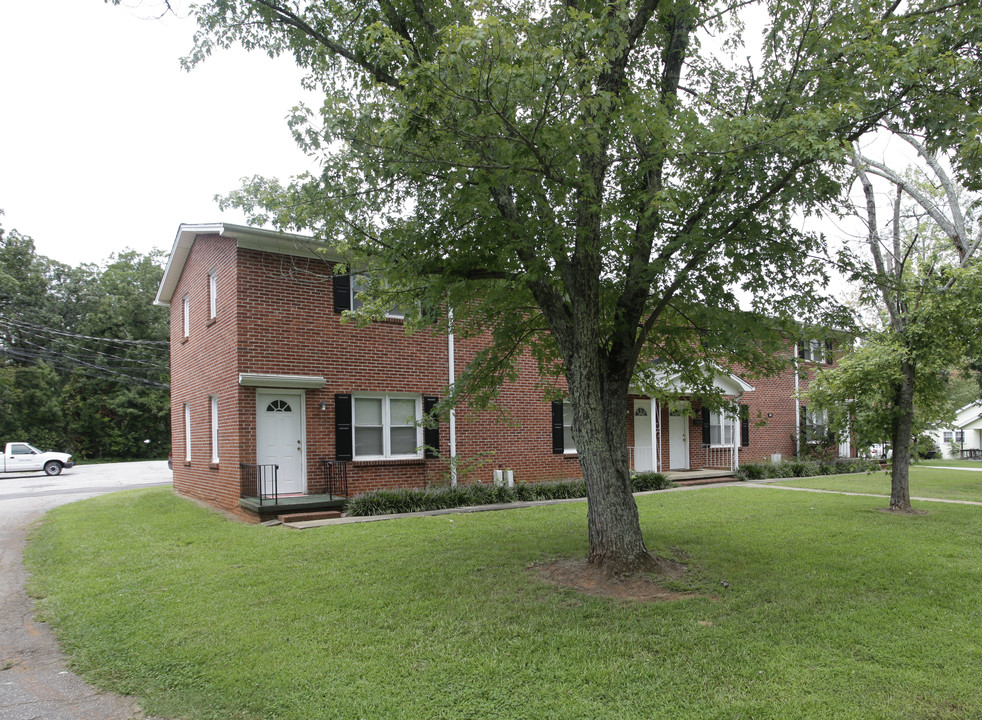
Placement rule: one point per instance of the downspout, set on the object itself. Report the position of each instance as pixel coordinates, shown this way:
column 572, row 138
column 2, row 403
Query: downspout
column 656, row 433
column 797, row 406
column 453, row 410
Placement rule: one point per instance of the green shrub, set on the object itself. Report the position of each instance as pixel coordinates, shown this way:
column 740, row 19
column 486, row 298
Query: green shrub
column 751, row 471
column 406, row 500
column 643, row 481
column 804, row 468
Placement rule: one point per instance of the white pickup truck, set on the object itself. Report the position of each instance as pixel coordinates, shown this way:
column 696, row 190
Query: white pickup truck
column 21, row 457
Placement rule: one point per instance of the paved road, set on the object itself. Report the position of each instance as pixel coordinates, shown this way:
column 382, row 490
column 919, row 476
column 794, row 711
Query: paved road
column 34, row 680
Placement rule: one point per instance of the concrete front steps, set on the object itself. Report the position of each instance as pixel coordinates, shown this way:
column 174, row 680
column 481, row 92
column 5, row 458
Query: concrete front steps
column 688, row 478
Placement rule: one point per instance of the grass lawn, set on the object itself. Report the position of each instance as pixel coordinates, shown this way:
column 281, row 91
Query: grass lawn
column 930, row 482
column 834, row 610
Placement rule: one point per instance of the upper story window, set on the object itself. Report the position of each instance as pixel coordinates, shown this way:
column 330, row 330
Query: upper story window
column 213, row 294
column 186, row 307
column 358, row 283
column 816, row 351
column 387, row 426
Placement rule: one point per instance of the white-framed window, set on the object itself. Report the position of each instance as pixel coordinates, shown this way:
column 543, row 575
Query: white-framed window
column 721, row 429
column 387, row 426
column 214, row 428
column 948, row 436
column 569, row 444
column 213, row 294
column 186, row 306
column 187, row 432
column 358, row 283
column 813, row 350
column 813, row 425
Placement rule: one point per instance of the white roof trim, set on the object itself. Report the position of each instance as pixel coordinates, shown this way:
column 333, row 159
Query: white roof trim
column 271, row 241
column 726, row 382
column 307, row 382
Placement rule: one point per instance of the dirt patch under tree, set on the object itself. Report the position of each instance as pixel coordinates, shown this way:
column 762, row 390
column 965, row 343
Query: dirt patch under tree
column 578, row 575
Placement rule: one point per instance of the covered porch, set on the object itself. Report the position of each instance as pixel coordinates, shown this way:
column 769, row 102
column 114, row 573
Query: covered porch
column 680, row 435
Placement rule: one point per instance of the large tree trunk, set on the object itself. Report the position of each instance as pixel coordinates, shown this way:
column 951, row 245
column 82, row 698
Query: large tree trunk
column 903, row 420
column 600, row 430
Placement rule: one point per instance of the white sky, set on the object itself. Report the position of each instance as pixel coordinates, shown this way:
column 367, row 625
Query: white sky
column 106, row 144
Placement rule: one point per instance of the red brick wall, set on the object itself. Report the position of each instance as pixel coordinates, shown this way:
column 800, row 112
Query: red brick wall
column 275, row 316
column 203, row 365
column 773, row 414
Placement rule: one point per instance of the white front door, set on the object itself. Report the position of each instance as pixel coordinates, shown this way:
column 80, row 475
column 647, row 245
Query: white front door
column 678, row 441
column 280, row 438
column 644, row 459
column 845, row 446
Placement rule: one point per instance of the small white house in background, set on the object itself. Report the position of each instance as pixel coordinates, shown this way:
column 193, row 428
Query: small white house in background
column 963, row 438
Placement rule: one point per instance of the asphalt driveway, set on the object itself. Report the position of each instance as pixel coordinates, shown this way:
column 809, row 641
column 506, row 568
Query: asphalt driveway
column 34, row 679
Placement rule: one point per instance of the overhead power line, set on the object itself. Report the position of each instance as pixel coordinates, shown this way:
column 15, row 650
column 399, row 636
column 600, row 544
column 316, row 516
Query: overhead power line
column 37, row 328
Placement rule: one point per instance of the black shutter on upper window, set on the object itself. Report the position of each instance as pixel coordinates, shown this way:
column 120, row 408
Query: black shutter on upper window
column 804, row 423
column 558, row 442
column 706, row 435
column 828, row 352
column 802, row 349
column 744, row 425
column 342, row 293
column 342, row 427
column 431, row 435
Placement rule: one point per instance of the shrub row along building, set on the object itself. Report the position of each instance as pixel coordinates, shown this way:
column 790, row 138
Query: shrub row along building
column 264, row 373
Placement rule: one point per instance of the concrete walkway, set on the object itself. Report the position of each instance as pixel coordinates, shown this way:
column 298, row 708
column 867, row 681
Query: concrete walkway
column 35, row 681
column 759, row 484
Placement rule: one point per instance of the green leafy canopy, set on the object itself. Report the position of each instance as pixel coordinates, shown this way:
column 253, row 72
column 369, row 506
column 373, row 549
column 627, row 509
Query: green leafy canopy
column 514, row 158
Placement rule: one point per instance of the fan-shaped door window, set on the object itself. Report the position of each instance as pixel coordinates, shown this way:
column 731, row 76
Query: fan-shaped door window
column 279, row 406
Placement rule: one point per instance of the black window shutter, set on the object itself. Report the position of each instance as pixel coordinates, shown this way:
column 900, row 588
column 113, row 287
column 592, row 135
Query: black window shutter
column 744, row 425
column 342, row 293
column 804, row 423
column 431, row 435
column 706, row 436
column 828, row 352
column 558, row 443
column 802, row 349
column 342, row 427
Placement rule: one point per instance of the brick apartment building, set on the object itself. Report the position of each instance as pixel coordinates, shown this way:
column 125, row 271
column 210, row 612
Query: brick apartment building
column 264, row 372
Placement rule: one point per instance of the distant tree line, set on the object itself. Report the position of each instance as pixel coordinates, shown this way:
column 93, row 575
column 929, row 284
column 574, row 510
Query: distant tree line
column 84, row 354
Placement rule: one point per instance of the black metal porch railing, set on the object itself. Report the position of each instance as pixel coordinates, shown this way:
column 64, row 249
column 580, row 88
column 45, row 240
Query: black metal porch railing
column 971, row 454
column 335, row 477
column 259, row 481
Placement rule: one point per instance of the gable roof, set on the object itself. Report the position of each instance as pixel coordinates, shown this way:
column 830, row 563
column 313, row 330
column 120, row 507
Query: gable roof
column 272, row 241
column 968, row 414
column 725, row 382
